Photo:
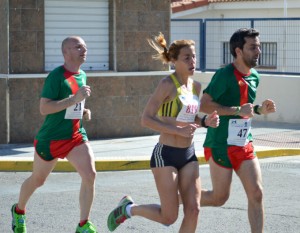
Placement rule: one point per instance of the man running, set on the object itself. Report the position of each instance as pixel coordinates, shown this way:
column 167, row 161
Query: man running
column 232, row 92
column 62, row 134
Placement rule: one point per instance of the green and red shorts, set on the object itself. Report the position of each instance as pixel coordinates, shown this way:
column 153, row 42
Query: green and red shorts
column 231, row 156
column 49, row 150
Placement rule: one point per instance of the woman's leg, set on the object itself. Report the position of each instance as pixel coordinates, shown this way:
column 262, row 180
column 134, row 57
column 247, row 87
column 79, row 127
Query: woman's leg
column 166, row 179
column 190, row 190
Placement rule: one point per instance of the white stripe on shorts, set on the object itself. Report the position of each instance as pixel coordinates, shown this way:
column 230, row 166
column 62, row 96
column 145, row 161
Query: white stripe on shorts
column 159, row 162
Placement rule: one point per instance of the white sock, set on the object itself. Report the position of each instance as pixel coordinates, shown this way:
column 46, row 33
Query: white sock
column 128, row 209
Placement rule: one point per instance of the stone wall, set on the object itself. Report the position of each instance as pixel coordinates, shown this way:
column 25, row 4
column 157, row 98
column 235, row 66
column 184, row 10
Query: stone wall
column 25, row 118
column 26, row 36
column 135, row 21
column 4, row 36
column 3, row 69
column 3, row 113
column 117, row 102
column 130, row 24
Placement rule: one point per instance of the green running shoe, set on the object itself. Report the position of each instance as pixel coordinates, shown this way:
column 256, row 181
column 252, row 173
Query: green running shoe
column 18, row 221
column 86, row 228
column 119, row 215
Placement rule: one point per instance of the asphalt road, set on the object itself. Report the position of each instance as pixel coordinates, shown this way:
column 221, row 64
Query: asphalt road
column 54, row 207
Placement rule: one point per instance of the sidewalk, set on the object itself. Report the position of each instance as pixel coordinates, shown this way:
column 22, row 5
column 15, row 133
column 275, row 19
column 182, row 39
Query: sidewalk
column 271, row 139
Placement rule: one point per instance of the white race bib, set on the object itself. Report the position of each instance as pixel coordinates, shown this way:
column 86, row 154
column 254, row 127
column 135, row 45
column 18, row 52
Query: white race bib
column 238, row 131
column 75, row 111
column 189, row 110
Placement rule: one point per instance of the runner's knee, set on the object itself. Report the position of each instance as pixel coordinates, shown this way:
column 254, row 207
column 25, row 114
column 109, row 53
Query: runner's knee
column 220, row 199
column 38, row 181
column 89, row 177
column 169, row 219
column 192, row 211
column 256, row 195
column 92, row 176
column 169, row 216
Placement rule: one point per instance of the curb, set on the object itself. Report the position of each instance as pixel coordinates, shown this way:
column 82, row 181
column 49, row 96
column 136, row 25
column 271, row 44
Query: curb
column 122, row 165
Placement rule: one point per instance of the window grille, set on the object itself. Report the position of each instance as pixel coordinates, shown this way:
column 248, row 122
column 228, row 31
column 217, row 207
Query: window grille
column 267, row 59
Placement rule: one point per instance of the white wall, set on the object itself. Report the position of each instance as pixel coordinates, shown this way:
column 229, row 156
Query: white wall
column 284, row 33
column 250, row 9
column 284, row 90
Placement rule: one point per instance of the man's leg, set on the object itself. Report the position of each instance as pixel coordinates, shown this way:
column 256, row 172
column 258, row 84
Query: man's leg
column 250, row 175
column 40, row 172
column 221, row 182
column 82, row 158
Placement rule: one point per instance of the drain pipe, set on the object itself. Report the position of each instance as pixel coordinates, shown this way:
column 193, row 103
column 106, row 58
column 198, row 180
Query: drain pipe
column 285, row 6
column 114, row 36
column 7, row 111
column 7, row 79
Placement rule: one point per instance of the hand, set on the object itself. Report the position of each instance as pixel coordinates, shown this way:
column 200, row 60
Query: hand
column 188, row 130
column 87, row 115
column 82, row 93
column 212, row 120
column 268, row 106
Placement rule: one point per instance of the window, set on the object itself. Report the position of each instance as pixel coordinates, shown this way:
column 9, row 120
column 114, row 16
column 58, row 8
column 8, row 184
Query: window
column 268, row 56
column 227, row 57
column 88, row 19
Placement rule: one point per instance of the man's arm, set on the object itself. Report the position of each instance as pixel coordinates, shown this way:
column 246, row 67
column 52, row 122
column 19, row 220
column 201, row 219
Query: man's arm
column 49, row 106
column 208, row 106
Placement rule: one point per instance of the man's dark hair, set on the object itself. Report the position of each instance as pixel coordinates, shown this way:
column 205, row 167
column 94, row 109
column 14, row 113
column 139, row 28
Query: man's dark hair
column 237, row 40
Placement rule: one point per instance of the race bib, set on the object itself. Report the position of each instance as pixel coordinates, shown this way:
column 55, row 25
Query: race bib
column 238, row 131
column 75, row 111
column 190, row 105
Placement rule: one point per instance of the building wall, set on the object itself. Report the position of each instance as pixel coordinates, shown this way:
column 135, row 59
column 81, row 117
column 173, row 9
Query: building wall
column 238, row 13
column 131, row 23
column 282, row 89
column 3, row 112
column 3, row 70
column 117, row 102
column 26, row 36
column 283, row 34
column 246, row 9
column 135, row 21
column 117, row 99
column 4, row 36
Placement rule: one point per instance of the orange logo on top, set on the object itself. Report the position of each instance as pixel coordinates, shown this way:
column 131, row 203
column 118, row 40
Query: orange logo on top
column 241, row 83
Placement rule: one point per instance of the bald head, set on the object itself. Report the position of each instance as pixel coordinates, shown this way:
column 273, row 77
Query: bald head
column 66, row 42
column 74, row 51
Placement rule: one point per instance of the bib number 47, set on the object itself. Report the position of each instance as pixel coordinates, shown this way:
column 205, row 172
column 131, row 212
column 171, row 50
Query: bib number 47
column 242, row 133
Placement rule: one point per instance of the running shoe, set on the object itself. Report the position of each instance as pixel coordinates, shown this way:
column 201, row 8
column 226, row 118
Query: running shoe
column 119, row 215
column 18, row 221
column 86, row 228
